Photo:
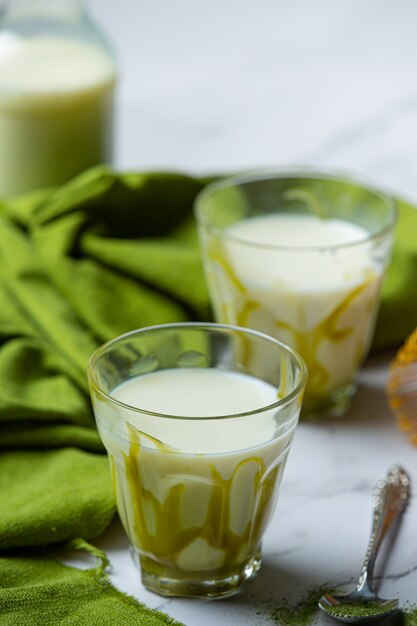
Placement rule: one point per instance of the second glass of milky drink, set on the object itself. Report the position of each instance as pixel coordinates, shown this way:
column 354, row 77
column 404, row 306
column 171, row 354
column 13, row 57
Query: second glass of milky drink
column 197, row 420
column 301, row 257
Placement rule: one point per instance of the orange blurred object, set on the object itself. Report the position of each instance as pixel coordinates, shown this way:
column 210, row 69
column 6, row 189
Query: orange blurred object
column 402, row 387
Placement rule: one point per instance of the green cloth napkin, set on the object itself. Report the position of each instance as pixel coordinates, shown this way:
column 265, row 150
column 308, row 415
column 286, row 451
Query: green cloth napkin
column 50, row 496
column 36, row 590
column 79, row 265
column 398, row 311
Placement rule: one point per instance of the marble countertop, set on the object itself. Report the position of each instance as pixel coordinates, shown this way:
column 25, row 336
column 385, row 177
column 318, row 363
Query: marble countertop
column 212, row 87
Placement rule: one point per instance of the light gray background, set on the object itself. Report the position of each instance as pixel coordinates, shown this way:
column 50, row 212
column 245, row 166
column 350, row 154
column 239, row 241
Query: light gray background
column 227, row 84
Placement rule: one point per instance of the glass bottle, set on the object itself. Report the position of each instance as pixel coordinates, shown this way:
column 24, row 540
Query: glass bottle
column 57, row 82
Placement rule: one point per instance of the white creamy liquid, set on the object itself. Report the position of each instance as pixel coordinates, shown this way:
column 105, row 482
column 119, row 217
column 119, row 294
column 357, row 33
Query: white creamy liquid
column 165, row 468
column 196, row 392
column 199, row 393
column 277, row 274
column 299, row 270
column 56, row 110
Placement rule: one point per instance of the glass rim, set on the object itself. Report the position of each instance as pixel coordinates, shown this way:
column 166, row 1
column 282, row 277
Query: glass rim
column 298, row 389
column 263, row 174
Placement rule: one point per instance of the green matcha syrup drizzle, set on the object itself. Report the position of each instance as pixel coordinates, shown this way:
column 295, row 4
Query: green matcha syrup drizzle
column 242, row 320
column 309, row 199
column 306, row 343
column 160, row 548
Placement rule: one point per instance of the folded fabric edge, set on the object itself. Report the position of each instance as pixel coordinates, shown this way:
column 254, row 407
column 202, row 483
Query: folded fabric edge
column 93, row 579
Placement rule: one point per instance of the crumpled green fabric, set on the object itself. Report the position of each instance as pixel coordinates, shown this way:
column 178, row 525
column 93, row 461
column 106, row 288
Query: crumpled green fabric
column 398, row 311
column 37, row 590
column 100, row 256
column 50, row 496
column 78, row 266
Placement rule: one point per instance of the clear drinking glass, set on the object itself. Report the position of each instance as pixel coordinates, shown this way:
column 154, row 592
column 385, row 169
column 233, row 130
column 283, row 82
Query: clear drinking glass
column 196, row 493
column 57, row 82
column 319, row 298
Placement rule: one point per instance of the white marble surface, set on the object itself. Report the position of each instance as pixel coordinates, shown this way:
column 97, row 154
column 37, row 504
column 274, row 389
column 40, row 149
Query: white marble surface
column 216, row 86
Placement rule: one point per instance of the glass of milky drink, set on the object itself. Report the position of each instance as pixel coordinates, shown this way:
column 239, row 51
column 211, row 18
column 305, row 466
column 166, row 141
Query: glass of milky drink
column 301, row 257
column 197, row 420
column 57, row 80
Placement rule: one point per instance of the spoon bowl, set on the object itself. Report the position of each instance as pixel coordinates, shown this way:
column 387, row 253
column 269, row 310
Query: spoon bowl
column 390, row 498
column 356, row 607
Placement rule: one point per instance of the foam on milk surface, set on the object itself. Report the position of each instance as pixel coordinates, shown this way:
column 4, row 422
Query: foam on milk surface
column 195, row 392
column 297, row 230
column 299, row 270
column 199, row 393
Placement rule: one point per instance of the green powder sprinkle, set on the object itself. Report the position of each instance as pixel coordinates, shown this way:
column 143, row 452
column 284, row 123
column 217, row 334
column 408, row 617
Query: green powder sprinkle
column 357, row 609
column 304, row 612
column 300, row 614
column 409, row 615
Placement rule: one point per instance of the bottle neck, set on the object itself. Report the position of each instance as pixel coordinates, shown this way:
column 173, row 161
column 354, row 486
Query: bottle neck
column 12, row 11
column 66, row 18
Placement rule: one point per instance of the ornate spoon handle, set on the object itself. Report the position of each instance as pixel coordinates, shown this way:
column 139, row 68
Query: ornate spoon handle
column 390, row 497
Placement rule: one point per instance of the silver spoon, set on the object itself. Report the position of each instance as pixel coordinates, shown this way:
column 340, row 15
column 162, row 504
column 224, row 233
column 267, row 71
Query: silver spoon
column 390, row 498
